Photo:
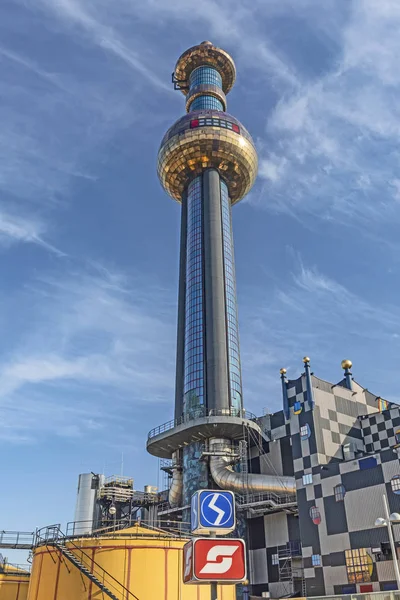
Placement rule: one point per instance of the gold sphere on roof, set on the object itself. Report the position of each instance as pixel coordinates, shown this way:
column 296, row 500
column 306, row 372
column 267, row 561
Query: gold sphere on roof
column 306, row 359
column 346, row 364
column 282, row 371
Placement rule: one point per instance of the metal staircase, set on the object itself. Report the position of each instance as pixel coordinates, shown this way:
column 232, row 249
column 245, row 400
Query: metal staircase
column 52, row 536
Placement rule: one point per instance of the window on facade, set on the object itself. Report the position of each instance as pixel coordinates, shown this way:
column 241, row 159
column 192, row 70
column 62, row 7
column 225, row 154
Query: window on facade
column 307, row 479
column 274, row 559
column 316, row 560
column 359, row 566
column 315, row 515
column 395, row 483
column 397, row 437
column 305, row 432
column 340, row 492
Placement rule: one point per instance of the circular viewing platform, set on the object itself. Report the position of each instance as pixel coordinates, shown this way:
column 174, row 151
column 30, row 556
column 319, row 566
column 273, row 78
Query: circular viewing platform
column 200, row 425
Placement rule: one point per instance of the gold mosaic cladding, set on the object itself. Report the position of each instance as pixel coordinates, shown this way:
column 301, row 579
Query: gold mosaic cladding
column 183, row 157
column 206, row 54
column 205, row 89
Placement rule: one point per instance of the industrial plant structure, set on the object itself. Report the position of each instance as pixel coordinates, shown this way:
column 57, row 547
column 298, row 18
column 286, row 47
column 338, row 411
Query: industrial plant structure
column 309, row 480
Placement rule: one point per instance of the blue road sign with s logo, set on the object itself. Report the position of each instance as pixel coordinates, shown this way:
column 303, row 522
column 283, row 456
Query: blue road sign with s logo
column 217, row 509
column 213, row 511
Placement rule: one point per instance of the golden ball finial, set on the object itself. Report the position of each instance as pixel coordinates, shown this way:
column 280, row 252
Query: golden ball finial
column 346, row 364
column 282, row 371
column 306, row 359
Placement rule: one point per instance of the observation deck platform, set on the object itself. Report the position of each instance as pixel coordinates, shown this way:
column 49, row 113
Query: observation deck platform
column 200, row 425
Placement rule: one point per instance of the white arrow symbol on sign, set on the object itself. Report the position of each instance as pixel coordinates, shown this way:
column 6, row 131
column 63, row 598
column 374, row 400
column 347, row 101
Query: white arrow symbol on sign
column 219, row 511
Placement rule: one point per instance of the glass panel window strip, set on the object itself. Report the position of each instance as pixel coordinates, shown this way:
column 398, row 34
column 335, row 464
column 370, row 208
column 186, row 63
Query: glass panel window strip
column 230, row 292
column 193, row 367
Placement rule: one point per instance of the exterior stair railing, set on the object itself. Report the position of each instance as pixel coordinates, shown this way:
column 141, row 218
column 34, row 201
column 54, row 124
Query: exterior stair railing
column 52, row 536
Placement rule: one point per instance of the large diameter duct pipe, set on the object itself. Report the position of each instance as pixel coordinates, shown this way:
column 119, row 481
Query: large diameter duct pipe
column 175, row 491
column 226, row 478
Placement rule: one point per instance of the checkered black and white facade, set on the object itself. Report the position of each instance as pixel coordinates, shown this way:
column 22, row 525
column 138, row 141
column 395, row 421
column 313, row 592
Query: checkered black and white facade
column 343, row 454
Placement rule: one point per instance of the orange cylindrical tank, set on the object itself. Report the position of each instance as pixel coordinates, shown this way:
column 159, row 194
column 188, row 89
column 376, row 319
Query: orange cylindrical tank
column 14, row 583
column 147, row 563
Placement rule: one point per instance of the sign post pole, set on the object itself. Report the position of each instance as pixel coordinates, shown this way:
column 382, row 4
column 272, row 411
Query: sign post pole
column 214, row 591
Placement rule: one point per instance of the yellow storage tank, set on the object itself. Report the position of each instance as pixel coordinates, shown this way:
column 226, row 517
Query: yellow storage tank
column 14, row 582
column 140, row 563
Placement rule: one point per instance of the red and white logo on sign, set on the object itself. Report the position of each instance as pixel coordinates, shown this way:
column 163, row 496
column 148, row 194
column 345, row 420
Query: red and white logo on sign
column 219, row 559
column 188, row 562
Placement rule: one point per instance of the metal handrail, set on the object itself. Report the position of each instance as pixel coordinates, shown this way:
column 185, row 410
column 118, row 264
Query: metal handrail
column 55, row 537
column 159, row 528
column 14, row 569
column 198, row 414
column 254, row 498
column 17, row 538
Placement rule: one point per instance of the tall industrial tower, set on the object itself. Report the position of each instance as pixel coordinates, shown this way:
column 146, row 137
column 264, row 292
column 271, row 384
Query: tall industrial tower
column 207, row 161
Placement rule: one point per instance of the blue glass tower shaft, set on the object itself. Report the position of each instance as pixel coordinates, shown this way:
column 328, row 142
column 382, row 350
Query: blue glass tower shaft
column 208, row 376
column 213, row 370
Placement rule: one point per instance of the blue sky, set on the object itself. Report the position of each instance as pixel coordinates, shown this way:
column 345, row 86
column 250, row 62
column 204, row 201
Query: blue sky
column 89, row 240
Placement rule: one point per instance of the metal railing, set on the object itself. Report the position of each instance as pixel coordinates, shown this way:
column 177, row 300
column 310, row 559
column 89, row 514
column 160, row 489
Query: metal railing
column 198, row 414
column 14, row 569
column 157, row 528
column 388, row 595
column 291, row 549
column 119, row 480
column 255, row 499
column 17, row 539
column 53, row 536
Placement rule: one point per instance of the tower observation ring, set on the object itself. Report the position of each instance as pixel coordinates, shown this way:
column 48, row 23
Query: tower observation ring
column 206, row 139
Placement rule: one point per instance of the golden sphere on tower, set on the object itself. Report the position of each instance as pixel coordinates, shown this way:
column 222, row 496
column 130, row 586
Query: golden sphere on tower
column 346, row 364
column 282, row 371
column 306, row 359
column 197, row 142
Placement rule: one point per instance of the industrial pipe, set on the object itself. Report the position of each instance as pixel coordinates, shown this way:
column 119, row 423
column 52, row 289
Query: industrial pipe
column 175, row 491
column 226, row 478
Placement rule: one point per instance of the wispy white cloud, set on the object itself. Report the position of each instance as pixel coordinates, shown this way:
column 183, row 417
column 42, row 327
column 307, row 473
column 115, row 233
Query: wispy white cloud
column 329, row 132
column 313, row 314
column 98, row 337
column 17, row 229
column 95, row 19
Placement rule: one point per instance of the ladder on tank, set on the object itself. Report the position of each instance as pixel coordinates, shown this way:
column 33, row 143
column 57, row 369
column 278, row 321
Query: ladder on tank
column 111, row 587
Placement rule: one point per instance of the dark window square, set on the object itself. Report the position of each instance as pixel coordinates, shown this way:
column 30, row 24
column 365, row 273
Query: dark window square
column 386, row 415
column 335, row 437
column 372, row 421
column 367, row 431
column 384, row 443
column 307, row 462
column 318, row 491
column 390, row 432
column 382, row 426
column 375, row 437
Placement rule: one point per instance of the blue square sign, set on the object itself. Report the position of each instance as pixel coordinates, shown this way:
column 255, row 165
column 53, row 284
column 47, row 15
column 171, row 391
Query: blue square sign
column 213, row 511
